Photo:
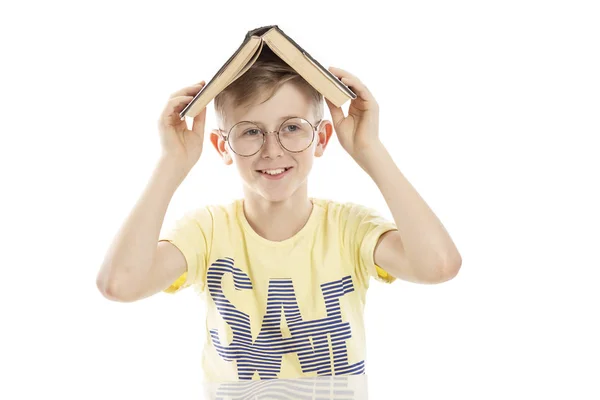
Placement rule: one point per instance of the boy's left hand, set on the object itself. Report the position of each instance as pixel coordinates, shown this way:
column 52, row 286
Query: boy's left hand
column 360, row 129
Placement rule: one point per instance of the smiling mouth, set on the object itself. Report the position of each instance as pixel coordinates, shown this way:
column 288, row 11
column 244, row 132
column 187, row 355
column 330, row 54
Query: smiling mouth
column 274, row 172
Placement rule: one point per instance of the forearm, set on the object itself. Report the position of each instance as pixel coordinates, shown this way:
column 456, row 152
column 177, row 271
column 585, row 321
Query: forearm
column 133, row 248
column 424, row 238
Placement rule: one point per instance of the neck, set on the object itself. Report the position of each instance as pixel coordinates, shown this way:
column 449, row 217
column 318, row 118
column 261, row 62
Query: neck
column 280, row 220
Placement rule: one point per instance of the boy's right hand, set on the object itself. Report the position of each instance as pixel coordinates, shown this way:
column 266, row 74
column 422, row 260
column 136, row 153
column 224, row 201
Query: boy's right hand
column 179, row 144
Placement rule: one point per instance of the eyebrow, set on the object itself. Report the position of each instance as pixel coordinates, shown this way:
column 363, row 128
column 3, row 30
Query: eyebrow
column 280, row 119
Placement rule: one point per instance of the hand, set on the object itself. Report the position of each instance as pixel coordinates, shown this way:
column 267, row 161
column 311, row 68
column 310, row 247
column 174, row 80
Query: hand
column 179, row 144
column 360, row 129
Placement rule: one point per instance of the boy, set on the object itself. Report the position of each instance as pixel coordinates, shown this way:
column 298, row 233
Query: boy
column 283, row 275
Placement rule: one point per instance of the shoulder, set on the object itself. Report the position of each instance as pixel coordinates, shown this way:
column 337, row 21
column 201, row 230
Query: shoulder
column 204, row 217
column 344, row 209
column 215, row 210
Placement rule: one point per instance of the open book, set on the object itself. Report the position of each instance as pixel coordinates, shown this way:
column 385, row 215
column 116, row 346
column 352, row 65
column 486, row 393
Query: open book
column 285, row 48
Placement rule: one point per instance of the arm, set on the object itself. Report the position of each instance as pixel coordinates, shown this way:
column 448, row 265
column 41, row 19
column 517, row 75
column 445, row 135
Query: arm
column 420, row 250
column 135, row 265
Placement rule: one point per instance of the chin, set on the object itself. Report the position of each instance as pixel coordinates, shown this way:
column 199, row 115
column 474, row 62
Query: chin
column 276, row 194
column 273, row 190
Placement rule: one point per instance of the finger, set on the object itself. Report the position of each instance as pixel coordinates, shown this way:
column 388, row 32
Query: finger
column 337, row 114
column 339, row 72
column 353, row 82
column 189, row 91
column 358, row 87
column 178, row 103
column 175, row 105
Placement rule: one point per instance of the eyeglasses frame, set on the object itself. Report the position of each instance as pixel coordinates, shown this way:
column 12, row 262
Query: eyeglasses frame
column 314, row 127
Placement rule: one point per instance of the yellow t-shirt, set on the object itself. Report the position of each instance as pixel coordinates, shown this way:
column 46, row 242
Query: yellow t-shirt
column 285, row 309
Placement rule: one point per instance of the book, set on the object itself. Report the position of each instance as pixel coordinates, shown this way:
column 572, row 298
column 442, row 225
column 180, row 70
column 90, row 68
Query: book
column 285, row 48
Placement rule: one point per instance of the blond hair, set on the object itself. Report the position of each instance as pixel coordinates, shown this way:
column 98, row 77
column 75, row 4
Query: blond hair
column 265, row 77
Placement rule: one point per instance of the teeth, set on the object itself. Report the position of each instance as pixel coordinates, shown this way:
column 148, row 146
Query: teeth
column 274, row 171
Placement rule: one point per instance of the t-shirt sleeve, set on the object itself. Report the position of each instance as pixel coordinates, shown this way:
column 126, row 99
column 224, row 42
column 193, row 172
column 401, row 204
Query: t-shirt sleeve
column 192, row 235
column 361, row 228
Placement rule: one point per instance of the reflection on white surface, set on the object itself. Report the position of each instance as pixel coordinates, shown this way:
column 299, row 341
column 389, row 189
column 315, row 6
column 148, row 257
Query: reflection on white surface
column 348, row 387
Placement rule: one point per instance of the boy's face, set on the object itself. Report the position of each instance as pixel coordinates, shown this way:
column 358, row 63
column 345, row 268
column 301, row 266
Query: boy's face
column 287, row 101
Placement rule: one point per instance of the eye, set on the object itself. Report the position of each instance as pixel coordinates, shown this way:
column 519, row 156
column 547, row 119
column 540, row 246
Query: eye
column 252, row 132
column 291, row 128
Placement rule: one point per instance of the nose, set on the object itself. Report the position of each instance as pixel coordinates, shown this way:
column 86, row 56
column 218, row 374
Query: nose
column 271, row 147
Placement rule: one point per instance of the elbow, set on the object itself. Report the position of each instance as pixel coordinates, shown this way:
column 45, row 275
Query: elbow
column 106, row 289
column 440, row 270
column 110, row 288
column 450, row 266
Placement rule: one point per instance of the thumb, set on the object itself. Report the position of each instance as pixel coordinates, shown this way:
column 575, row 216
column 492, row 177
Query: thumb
column 198, row 124
column 337, row 114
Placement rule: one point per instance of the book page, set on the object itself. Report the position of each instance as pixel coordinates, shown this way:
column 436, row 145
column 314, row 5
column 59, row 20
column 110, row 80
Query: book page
column 252, row 61
column 224, row 77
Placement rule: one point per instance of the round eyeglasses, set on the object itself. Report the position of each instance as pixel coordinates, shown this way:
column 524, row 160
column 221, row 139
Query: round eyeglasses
column 294, row 135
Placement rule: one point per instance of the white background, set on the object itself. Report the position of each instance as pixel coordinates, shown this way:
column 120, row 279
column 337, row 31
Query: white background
column 490, row 109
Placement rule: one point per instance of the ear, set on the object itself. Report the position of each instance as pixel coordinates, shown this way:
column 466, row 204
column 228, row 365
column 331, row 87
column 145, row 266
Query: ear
column 219, row 144
column 323, row 135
